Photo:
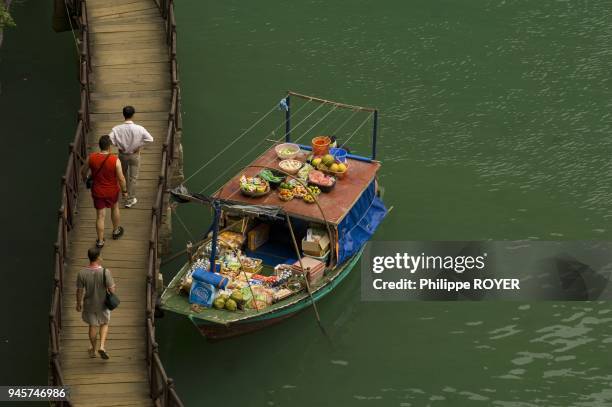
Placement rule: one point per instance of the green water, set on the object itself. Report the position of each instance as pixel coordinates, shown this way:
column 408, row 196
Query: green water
column 494, row 123
column 39, row 97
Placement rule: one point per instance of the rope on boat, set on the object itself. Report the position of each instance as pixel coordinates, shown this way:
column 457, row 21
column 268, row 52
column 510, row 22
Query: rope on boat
column 297, row 251
column 180, row 220
column 249, row 152
column 345, row 122
column 231, row 144
column 257, row 146
column 357, row 129
column 76, row 42
column 313, row 126
column 247, row 279
column 271, row 160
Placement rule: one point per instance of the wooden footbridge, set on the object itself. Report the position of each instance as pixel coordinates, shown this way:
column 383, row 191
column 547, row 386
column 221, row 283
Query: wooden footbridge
column 127, row 56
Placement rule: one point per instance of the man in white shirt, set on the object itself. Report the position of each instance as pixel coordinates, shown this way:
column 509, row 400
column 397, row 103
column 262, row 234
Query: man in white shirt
column 129, row 139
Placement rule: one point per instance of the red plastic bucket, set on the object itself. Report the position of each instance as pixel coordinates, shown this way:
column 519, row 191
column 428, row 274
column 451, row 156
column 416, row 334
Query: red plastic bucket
column 320, row 145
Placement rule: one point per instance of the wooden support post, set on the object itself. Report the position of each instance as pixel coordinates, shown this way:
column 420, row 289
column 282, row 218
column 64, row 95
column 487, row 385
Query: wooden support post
column 288, row 120
column 190, row 253
column 374, row 134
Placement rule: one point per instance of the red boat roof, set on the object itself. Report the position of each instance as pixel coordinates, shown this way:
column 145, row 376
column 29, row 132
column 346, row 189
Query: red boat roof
column 335, row 204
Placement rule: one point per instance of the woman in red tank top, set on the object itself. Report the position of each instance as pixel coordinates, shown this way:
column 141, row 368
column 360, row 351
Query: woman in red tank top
column 108, row 180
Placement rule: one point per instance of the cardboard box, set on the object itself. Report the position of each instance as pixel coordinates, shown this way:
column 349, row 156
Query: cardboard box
column 258, row 236
column 315, row 243
column 315, row 276
column 314, row 269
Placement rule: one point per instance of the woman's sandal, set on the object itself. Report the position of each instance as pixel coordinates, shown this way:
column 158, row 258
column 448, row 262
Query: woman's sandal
column 99, row 244
column 103, row 354
column 92, row 352
column 117, row 233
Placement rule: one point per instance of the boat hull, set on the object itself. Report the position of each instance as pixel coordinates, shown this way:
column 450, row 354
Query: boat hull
column 215, row 331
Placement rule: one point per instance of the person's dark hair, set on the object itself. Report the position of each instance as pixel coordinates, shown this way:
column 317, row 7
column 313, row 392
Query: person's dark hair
column 104, row 142
column 93, row 254
column 128, row 112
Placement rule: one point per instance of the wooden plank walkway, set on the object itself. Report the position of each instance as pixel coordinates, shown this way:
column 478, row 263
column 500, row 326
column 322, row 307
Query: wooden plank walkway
column 130, row 65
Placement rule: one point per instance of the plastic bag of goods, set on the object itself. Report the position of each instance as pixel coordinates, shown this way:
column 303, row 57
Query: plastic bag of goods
column 257, row 297
column 185, row 283
column 282, row 294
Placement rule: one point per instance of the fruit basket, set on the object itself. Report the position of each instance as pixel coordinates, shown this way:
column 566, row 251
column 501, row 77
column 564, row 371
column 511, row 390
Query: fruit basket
column 330, row 166
column 312, row 194
column 285, row 194
column 336, row 174
column 251, row 265
column 254, row 186
column 299, row 191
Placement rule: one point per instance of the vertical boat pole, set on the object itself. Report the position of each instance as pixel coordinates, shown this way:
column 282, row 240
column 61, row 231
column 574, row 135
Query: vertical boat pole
column 305, row 273
column 215, row 231
column 288, row 120
column 374, row 133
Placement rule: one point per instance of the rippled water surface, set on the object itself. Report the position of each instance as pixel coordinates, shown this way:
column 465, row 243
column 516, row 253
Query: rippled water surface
column 495, row 124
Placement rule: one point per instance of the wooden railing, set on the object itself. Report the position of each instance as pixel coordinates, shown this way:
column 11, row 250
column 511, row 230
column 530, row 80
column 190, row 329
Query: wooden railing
column 77, row 151
column 162, row 388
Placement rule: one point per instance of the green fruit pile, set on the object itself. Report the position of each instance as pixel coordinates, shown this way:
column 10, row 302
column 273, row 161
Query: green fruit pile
column 229, row 303
column 328, row 160
column 314, row 190
column 328, row 163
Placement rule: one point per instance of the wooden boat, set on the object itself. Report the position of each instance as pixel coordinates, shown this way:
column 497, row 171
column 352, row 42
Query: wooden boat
column 350, row 213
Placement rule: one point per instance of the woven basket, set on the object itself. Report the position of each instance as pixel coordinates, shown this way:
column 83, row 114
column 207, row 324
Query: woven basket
column 255, row 267
column 256, row 194
column 338, row 175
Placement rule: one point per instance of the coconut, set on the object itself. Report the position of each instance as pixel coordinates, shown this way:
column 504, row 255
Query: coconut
column 231, row 305
column 219, row 303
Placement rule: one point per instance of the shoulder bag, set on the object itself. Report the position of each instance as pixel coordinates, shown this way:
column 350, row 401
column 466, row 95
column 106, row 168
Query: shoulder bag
column 111, row 301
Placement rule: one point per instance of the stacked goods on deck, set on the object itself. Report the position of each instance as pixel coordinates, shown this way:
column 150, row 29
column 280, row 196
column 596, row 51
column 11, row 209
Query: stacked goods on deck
column 316, row 243
column 237, row 282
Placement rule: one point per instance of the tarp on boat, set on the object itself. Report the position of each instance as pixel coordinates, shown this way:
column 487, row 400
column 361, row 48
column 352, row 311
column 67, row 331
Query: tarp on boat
column 181, row 194
column 360, row 223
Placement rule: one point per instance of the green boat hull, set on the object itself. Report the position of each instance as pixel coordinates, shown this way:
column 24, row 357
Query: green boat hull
column 215, row 325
